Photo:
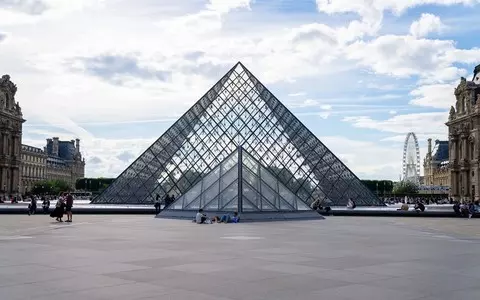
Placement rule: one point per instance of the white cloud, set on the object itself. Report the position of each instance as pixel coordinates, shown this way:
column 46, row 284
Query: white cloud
column 422, row 123
column 224, row 6
column 434, row 95
column 426, row 24
column 368, row 160
column 297, row 94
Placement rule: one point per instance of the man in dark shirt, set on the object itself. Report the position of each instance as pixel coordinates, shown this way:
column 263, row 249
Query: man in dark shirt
column 68, row 207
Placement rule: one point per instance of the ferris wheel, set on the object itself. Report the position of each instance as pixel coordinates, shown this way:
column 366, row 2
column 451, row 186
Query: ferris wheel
column 411, row 159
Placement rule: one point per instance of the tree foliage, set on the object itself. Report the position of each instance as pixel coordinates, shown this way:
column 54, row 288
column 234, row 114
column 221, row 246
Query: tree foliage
column 380, row 187
column 406, row 188
column 93, row 184
column 50, row 187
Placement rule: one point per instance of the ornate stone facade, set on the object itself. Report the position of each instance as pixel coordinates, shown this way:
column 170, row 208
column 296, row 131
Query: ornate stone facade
column 64, row 161
column 34, row 167
column 11, row 120
column 59, row 160
column 464, row 140
column 435, row 165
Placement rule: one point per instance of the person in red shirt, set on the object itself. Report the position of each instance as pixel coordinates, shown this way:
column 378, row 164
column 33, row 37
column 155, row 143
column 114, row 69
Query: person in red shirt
column 68, row 207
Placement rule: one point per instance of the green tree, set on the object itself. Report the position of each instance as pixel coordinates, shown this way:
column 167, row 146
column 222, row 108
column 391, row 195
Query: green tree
column 93, row 184
column 381, row 187
column 50, row 187
column 405, row 188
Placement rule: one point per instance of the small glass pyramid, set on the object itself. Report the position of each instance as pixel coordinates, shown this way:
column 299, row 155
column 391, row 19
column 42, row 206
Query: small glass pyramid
column 239, row 183
column 239, row 111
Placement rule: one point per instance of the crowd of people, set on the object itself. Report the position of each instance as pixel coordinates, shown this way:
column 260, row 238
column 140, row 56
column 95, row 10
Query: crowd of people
column 419, row 198
column 63, row 205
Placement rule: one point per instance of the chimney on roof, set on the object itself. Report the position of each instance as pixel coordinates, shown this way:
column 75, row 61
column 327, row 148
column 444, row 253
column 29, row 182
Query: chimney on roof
column 55, row 146
column 77, row 146
column 429, row 151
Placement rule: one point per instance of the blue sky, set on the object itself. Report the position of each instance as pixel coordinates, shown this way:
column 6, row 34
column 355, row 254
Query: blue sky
column 117, row 73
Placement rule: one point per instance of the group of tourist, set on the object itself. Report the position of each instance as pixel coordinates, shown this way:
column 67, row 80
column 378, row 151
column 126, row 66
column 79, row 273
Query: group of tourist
column 467, row 210
column 202, row 218
column 11, row 198
column 63, row 205
column 414, row 199
column 167, row 201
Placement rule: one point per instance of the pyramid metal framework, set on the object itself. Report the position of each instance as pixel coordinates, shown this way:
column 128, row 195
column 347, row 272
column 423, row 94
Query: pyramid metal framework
column 240, row 183
column 238, row 111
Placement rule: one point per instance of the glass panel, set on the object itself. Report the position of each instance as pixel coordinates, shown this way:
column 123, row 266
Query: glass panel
column 287, row 195
column 211, row 193
column 195, row 204
column 286, row 206
column 250, row 178
column 192, row 194
column 250, row 163
column 251, row 194
column 229, row 163
column 268, row 178
column 212, row 205
column 268, row 193
column 177, row 204
column 267, row 206
column 229, row 177
column 211, row 178
column 302, row 206
column 231, row 206
column 248, row 206
column 228, row 194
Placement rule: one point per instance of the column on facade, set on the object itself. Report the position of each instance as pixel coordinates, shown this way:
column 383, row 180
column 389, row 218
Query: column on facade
column 13, row 146
column 2, row 139
column 5, row 143
column 16, row 180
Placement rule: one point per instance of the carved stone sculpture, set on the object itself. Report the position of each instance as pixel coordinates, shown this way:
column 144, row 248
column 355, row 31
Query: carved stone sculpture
column 452, row 113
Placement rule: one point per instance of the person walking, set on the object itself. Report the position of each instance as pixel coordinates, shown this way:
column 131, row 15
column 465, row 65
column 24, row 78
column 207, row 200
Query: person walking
column 32, row 207
column 157, row 205
column 68, row 207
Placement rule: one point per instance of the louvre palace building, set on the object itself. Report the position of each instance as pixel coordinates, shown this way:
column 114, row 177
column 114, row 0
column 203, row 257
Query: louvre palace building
column 22, row 166
column 464, row 140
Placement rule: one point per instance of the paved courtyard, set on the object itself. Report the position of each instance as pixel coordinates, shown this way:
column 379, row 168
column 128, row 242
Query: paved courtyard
column 139, row 257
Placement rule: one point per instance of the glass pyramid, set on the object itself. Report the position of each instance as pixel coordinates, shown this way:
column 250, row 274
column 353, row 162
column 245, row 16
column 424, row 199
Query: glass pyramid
column 238, row 111
column 239, row 183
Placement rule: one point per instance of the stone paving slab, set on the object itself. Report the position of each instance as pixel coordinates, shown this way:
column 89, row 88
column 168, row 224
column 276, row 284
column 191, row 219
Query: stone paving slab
column 140, row 257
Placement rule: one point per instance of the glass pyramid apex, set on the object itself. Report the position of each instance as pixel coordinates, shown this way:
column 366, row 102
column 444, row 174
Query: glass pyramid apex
column 238, row 111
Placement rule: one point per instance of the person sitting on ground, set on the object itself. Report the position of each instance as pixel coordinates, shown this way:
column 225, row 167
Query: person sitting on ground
column 464, row 210
column 419, row 207
column 456, row 209
column 404, row 207
column 351, row 204
column 200, row 218
column 230, row 219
